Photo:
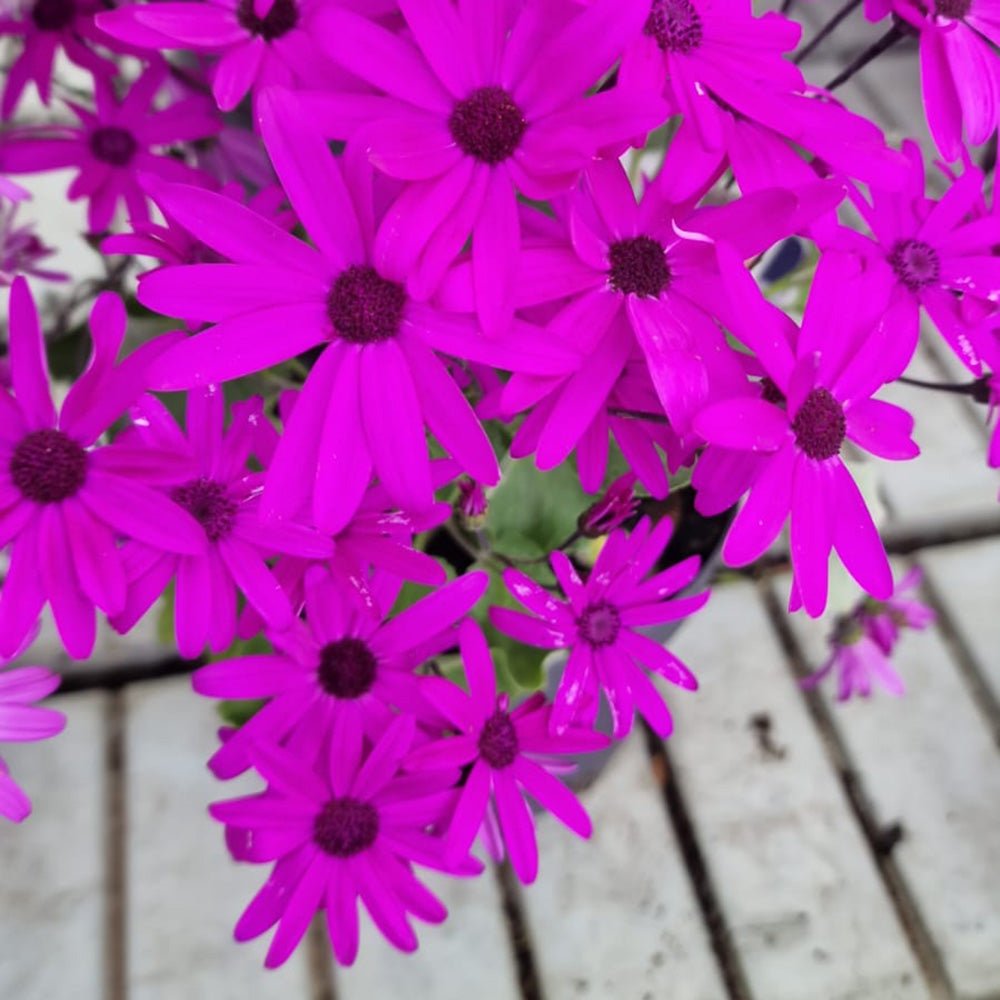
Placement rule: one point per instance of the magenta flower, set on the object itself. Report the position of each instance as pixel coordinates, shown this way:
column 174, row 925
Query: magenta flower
column 47, row 27
column 612, row 510
column 352, row 827
column 599, row 625
column 636, row 275
column 21, row 721
column 377, row 382
column 959, row 70
column 346, row 659
column 222, row 494
column 863, row 641
column 21, row 250
column 824, row 385
column 506, row 752
column 259, row 42
column 112, row 145
column 481, row 102
column 64, row 503
column 928, row 251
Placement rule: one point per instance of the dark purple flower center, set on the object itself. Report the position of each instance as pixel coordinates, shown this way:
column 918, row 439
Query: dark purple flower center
column 953, row 9
column 819, row 426
column 364, row 307
column 48, row 466
column 916, row 263
column 675, row 25
column 638, row 266
column 345, row 827
column 281, row 18
column 498, row 743
column 599, row 624
column 488, row 125
column 53, row 15
column 347, row 668
column 209, row 504
column 113, row 145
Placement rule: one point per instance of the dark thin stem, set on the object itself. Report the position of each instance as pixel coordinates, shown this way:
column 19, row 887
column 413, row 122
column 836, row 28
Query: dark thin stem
column 827, row 28
column 786, row 6
column 978, row 389
column 655, row 418
column 893, row 35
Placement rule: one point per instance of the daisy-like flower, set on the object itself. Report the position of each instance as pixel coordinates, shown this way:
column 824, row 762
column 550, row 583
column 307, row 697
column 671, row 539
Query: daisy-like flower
column 599, row 625
column 821, row 396
column 636, row 275
column 113, row 144
column 346, row 659
column 506, row 751
column 48, row 26
column 959, row 70
column 863, row 641
column 929, row 250
column 377, row 382
column 259, row 42
column 64, row 503
column 348, row 828
column 20, row 721
column 222, row 494
column 481, row 102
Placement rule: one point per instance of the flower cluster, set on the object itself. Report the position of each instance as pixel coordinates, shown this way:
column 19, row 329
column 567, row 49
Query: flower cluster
column 464, row 293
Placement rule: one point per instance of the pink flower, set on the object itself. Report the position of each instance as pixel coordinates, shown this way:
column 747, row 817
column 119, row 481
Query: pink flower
column 959, row 69
column 377, row 382
column 506, row 752
column 21, row 721
column 351, row 827
column 259, row 42
column 599, row 625
column 21, row 250
column 612, row 510
column 346, row 659
column 64, row 503
column 48, row 26
column 215, row 486
column 826, row 382
column 863, row 641
column 926, row 251
column 112, row 145
column 482, row 102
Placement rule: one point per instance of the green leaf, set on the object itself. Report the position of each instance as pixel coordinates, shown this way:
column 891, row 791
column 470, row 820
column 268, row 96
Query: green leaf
column 239, row 712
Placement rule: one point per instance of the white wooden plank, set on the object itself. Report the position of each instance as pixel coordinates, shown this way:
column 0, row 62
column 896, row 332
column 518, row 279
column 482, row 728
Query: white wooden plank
column 804, row 903
column 468, row 955
column 928, row 762
column 53, row 905
column 949, row 483
column 184, row 894
column 967, row 580
column 616, row 916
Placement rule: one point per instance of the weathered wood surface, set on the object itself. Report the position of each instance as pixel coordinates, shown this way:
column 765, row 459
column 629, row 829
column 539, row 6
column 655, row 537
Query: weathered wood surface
column 796, row 882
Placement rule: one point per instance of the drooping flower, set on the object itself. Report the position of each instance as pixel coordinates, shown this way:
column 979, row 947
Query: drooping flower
column 863, row 641
column 259, row 42
column 927, row 250
column 348, row 827
column 21, row 249
column 377, row 382
column 65, row 502
column 214, row 484
column 612, row 510
column 599, row 624
column 48, row 26
column 823, row 388
column 112, row 144
column 346, row 659
column 20, row 721
column 480, row 102
column 506, row 751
